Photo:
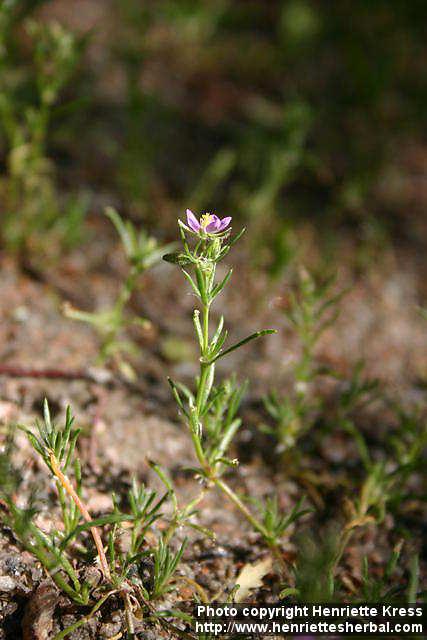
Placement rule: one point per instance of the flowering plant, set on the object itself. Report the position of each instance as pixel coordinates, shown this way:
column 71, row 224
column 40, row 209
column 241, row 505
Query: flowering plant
column 209, row 223
column 210, row 410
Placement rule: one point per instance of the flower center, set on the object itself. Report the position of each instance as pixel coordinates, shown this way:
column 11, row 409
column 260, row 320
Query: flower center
column 205, row 220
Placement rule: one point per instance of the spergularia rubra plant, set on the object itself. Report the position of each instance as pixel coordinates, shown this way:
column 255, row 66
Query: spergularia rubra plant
column 210, row 409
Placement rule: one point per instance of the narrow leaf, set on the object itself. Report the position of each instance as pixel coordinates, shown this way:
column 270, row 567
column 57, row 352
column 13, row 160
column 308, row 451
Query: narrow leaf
column 220, row 286
column 253, row 336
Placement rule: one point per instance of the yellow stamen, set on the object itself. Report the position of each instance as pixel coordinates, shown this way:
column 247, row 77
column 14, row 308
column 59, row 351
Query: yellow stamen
column 205, row 220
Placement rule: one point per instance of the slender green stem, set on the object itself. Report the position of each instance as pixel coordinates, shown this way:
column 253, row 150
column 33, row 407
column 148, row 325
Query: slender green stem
column 199, row 449
column 53, row 570
column 181, row 515
column 76, row 625
column 191, row 505
column 204, row 371
column 256, row 524
column 203, row 380
column 242, row 507
column 347, row 532
column 58, row 579
column 205, row 275
column 343, row 542
column 206, row 309
column 127, row 289
column 201, row 398
column 204, row 368
column 43, row 542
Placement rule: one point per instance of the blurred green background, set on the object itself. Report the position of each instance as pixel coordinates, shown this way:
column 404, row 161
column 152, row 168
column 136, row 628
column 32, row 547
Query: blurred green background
column 282, row 112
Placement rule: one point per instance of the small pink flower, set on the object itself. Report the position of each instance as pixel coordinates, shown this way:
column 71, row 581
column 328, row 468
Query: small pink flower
column 208, row 223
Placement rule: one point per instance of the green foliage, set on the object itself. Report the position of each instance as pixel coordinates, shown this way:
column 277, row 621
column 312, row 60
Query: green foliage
column 357, row 392
column 52, row 440
column 32, row 205
column 210, row 411
column 387, row 479
column 144, row 512
column 63, row 550
column 266, row 137
column 311, row 309
column 277, row 523
column 383, row 588
column 409, row 441
column 165, row 565
column 142, row 252
column 261, row 120
column 314, row 579
column 59, row 444
column 221, row 423
column 53, row 549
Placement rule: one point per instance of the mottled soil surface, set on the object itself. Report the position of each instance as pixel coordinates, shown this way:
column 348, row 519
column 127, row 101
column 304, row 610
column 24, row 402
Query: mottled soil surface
column 127, row 424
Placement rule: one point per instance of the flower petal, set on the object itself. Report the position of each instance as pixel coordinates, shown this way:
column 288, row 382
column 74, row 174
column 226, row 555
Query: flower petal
column 223, row 224
column 214, row 224
column 192, row 221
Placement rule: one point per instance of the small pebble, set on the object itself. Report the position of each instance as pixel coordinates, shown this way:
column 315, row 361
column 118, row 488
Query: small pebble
column 7, row 583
